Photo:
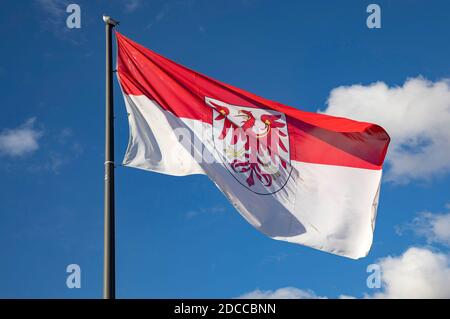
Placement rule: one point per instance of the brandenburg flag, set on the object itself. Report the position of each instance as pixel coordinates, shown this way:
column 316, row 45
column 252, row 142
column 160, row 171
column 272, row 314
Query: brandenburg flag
column 301, row 177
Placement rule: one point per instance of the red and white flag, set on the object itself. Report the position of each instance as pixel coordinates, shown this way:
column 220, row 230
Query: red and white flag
column 301, row 177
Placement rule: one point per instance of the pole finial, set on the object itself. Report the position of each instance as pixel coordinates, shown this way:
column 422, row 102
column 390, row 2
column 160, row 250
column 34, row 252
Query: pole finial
column 109, row 20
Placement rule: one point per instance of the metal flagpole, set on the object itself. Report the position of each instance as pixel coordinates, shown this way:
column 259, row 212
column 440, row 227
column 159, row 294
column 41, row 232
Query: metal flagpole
column 109, row 280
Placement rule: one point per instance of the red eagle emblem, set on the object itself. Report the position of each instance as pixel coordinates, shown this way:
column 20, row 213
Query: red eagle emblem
column 253, row 144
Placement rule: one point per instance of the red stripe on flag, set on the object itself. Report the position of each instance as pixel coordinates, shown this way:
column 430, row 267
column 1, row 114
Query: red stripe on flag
column 314, row 138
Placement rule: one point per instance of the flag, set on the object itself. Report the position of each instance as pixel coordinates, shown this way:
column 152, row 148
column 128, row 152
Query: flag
column 296, row 176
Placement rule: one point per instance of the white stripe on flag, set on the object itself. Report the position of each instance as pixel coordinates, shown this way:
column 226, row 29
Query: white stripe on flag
column 328, row 207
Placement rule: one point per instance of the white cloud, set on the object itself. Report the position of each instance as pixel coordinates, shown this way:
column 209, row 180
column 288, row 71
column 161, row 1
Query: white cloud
column 204, row 211
column 61, row 150
column 281, row 293
column 132, row 5
column 21, row 140
column 55, row 8
column 418, row 273
column 166, row 8
column 434, row 227
column 415, row 115
column 55, row 11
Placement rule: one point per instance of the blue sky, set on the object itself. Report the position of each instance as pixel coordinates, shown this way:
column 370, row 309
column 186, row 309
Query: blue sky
column 179, row 237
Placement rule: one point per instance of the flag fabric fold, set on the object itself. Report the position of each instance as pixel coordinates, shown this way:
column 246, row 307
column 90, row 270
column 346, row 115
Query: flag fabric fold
column 297, row 176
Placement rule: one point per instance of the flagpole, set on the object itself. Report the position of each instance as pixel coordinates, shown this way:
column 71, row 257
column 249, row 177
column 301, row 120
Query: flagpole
column 109, row 271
